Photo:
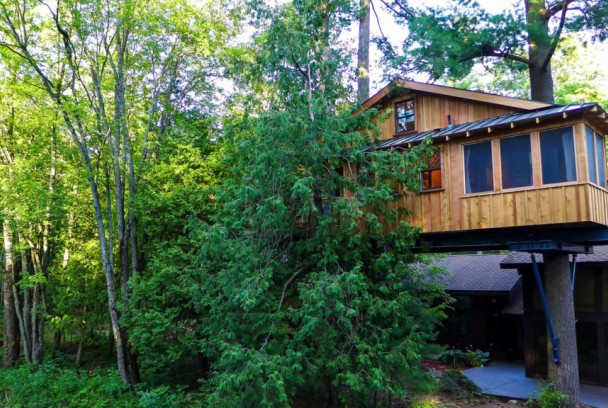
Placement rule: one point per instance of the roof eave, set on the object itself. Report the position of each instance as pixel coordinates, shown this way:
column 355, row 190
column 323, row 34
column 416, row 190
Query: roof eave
column 478, row 96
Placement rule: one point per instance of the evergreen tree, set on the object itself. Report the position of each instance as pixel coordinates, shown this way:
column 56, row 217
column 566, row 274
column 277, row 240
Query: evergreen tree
column 300, row 286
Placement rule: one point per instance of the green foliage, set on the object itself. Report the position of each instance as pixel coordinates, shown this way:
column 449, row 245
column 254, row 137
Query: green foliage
column 548, row 397
column 304, row 280
column 50, row 386
column 468, row 358
column 450, row 40
column 422, row 404
column 456, row 383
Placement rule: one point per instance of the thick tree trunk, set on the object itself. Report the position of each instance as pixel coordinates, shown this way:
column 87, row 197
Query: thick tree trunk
column 363, row 54
column 11, row 326
column 561, row 306
column 539, row 45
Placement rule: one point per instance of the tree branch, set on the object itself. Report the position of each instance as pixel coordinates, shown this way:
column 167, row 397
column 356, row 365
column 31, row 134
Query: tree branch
column 402, row 11
column 498, row 54
column 556, row 8
column 556, row 36
column 291, row 278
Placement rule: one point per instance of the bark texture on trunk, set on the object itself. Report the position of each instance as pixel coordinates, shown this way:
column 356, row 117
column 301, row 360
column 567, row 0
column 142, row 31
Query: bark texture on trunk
column 561, row 306
column 363, row 54
column 539, row 45
column 11, row 326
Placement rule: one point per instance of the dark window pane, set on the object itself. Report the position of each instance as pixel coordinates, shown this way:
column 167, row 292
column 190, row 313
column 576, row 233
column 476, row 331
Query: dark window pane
column 584, row 292
column 557, row 155
column 516, row 161
column 601, row 160
column 404, row 116
column 591, row 156
column 478, row 167
column 588, row 352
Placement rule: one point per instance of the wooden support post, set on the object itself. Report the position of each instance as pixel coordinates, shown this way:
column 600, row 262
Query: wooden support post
column 561, row 304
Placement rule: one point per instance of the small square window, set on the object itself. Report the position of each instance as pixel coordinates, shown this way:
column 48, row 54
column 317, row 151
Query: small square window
column 405, row 116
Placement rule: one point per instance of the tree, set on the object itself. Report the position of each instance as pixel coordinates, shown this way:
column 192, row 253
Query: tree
column 116, row 72
column 449, row 40
column 363, row 52
column 298, row 287
column 33, row 211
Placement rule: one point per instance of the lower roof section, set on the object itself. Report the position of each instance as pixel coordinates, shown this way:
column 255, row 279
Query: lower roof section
column 587, row 234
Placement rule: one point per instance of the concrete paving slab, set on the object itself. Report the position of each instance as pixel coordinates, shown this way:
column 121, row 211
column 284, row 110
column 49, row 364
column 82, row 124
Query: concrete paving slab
column 508, row 379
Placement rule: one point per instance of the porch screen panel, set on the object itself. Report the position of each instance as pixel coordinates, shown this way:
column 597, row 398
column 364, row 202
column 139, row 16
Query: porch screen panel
column 591, row 161
column 557, row 155
column 478, row 167
column 601, row 160
column 516, row 161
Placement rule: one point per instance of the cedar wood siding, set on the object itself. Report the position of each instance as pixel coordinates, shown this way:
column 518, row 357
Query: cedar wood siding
column 450, row 209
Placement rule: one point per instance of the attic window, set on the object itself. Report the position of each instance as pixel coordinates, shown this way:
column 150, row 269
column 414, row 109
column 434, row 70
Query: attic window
column 431, row 176
column 404, row 116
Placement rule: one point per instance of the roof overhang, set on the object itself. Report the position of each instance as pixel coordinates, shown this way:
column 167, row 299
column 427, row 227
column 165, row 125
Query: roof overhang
column 592, row 111
column 398, row 86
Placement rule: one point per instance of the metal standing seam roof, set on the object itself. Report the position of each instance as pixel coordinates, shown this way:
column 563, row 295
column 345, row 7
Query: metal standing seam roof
column 478, row 125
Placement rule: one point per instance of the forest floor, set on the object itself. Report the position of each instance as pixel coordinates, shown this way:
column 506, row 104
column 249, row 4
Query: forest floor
column 484, row 401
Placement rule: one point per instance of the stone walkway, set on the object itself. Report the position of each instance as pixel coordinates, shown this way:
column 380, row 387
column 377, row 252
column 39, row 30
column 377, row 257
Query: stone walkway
column 508, row 379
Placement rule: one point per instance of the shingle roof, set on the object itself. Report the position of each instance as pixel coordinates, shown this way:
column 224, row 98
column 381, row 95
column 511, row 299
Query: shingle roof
column 478, row 273
column 515, row 259
column 504, row 121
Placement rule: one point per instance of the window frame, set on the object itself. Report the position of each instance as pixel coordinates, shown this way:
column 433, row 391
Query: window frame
column 542, row 162
column 397, row 117
column 600, row 174
column 531, row 162
column 492, row 189
column 430, row 170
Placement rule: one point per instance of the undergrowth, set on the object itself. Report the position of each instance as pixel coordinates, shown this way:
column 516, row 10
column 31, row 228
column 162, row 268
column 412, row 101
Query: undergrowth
column 50, row 386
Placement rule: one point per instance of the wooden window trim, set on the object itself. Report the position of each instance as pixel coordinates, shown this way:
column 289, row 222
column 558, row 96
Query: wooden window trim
column 396, row 118
column 431, row 170
column 464, row 169
column 575, row 153
column 499, row 167
column 595, row 136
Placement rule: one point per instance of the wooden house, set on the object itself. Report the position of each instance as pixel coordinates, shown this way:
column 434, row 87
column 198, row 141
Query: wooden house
column 507, row 169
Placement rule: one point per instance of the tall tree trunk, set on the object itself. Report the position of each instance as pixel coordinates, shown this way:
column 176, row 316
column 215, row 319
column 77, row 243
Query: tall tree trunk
column 11, row 326
column 539, row 44
column 363, row 54
column 561, row 305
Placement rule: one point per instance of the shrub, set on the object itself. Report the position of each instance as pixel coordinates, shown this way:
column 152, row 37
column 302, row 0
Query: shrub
column 50, row 386
column 469, row 358
column 456, row 383
column 548, row 397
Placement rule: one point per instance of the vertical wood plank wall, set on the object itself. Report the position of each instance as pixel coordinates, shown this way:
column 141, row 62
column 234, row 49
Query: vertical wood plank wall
column 450, row 209
column 431, row 112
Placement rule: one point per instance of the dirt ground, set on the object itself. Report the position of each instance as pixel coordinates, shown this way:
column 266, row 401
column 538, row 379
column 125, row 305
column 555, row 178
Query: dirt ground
column 446, row 401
